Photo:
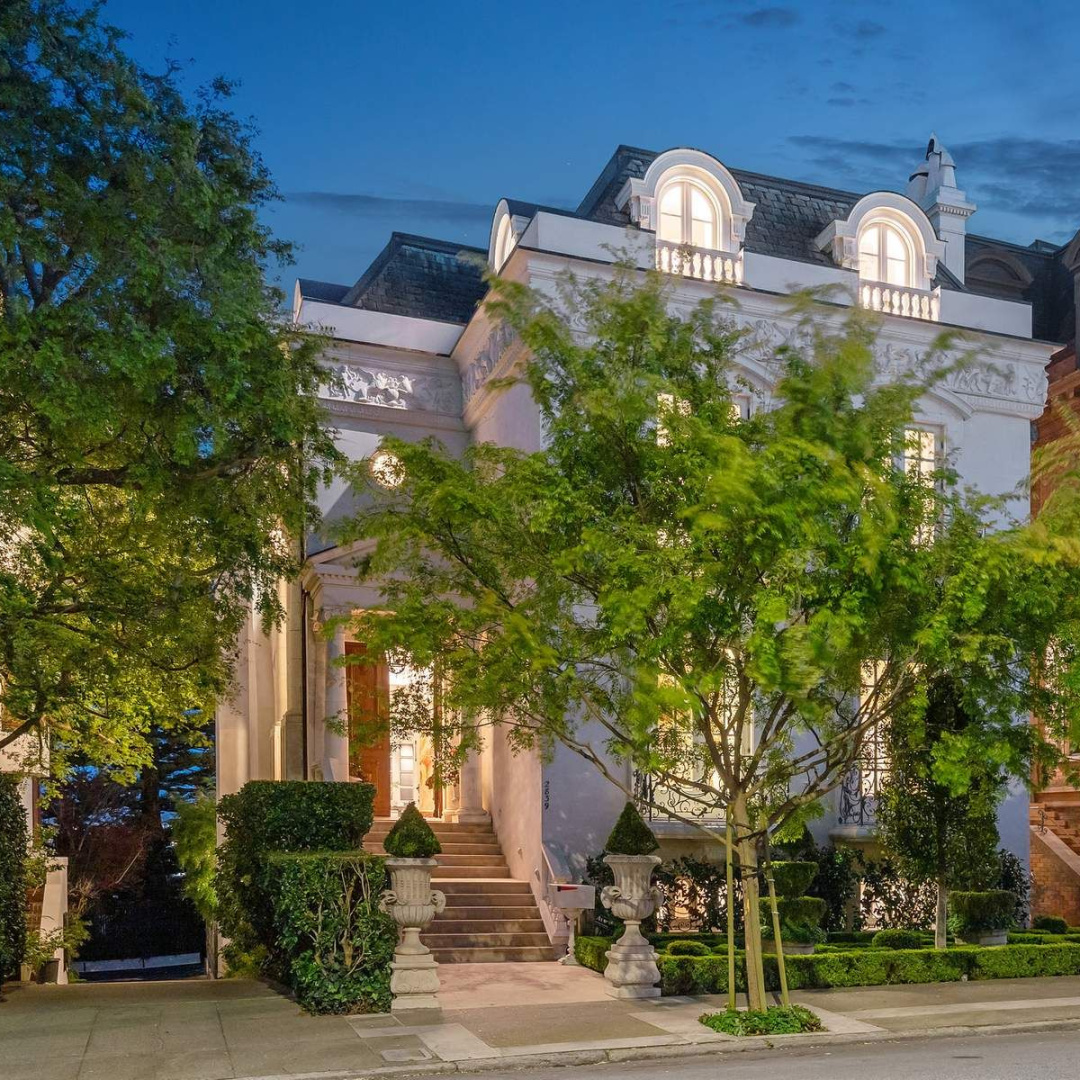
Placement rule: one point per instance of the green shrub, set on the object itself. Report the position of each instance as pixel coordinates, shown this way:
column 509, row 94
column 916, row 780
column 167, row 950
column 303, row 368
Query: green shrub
column 778, row 1020
column 1027, row 937
column 1024, row 961
column 792, row 879
column 688, row 948
column 981, row 912
column 13, row 845
column 898, row 939
column 801, row 910
column 851, row 937
column 631, row 836
column 1052, row 924
column 267, row 816
column 411, row 837
column 194, row 836
column 799, row 933
column 334, row 943
column 591, row 952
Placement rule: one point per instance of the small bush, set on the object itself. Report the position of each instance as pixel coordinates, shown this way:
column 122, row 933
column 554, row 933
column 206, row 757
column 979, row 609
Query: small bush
column 898, row 939
column 13, row 884
column 631, row 836
column 335, row 943
column 1028, row 937
column 411, row 837
column 981, row 912
column 801, row 910
column 591, row 952
column 799, row 933
column 792, row 879
column 688, row 948
column 1051, row 924
column 778, row 1020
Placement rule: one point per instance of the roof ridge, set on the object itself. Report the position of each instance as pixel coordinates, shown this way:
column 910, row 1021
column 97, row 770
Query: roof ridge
column 416, row 240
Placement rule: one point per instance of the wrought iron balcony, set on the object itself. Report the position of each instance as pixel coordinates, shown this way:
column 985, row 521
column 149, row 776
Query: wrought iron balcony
column 677, row 803
column 861, row 787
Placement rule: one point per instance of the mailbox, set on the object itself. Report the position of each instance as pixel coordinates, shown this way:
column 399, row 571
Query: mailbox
column 573, row 897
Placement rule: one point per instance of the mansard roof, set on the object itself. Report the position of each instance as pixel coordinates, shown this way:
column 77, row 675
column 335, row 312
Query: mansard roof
column 440, row 280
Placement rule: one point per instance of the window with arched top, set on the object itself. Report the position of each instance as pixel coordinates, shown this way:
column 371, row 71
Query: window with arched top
column 688, row 214
column 504, row 241
column 885, row 254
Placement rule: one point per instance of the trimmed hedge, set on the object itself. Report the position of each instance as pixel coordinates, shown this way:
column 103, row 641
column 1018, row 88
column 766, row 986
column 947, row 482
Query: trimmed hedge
column 1050, row 924
column 411, row 837
column 688, row 948
column 859, row 967
column 334, row 944
column 981, row 912
column 13, row 843
column 792, row 879
column 631, row 836
column 265, row 816
column 801, row 910
column 898, row 939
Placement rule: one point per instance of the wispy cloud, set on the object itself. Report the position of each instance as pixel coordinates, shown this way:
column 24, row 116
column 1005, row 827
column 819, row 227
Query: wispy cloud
column 379, row 206
column 1021, row 175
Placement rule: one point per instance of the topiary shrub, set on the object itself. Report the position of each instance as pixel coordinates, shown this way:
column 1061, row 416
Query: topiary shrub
column 267, row 816
column 974, row 913
column 805, row 910
column 792, row 879
column 14, row 840
column 631, row 836
column 411, row 837
column 1050, row 924
column 688, row 948
column 334, row 944
column 898, row 939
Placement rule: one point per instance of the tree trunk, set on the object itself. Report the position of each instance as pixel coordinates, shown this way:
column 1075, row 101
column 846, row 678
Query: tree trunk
column 941, row 924
column 748, row 868
column 732, row 1005
column 780, row 968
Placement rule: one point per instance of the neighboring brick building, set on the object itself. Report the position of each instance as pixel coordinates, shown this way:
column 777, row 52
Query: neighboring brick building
column 1055, row 809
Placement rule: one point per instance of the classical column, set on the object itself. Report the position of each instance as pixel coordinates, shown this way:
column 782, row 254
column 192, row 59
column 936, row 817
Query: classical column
column 470, row 802
column 335, row 762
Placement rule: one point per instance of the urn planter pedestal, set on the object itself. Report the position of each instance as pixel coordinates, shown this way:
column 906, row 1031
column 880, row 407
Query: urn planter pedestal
column 984, row 937
column 413, row 903
column 631, row 970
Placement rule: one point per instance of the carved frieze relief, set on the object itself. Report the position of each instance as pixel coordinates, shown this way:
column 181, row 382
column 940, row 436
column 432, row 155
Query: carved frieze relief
column 369, row 384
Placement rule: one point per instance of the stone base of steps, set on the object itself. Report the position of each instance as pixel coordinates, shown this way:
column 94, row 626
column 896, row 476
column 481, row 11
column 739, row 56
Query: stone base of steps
column 498, row 910
column 526, row 955
column 497, row 924
column 435, row 938
column 483, row 873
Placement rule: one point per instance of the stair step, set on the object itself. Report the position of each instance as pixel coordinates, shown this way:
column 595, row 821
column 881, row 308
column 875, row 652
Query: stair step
column 484, row 941
column 486, row 893
column 474, row 927
column 509, row 954
column 494, row 912
column 471, row 860
column 442, row 873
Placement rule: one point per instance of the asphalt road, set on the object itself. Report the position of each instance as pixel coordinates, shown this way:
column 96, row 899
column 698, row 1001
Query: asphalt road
column 1046, row 1055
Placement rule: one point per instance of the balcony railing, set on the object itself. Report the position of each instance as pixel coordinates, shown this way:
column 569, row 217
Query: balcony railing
column 666, row 802
column 895, row 300
column 701, row 264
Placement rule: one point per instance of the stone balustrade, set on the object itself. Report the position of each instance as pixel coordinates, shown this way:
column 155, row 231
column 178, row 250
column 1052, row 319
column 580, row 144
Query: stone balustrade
column 896, row 300
column 702, row 264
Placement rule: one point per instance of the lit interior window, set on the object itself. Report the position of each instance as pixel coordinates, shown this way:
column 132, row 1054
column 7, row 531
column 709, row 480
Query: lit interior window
column 884, row 255
column 687, row 216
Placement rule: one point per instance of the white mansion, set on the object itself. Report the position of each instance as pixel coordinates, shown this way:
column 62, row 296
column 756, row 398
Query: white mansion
column 415, row 350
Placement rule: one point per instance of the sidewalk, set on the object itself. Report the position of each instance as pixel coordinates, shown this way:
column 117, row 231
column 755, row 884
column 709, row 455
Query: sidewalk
column 493, row 1016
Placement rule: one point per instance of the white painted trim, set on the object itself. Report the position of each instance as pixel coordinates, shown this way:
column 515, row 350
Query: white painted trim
column 379, row 328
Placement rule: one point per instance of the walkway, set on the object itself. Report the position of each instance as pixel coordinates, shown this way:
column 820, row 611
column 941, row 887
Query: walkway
column 493, row 1015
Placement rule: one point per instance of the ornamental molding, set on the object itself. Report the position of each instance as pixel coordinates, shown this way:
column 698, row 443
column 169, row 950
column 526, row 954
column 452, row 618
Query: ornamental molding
column 488, row 360
column 371, row 383
column 1001, row 385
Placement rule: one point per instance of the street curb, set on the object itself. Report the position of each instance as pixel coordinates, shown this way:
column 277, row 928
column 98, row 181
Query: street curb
column 571, row 1058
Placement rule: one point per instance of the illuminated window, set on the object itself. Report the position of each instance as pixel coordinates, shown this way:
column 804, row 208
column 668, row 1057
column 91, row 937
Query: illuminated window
column 885, row 255
column 504, row 242
column 921, row 460
column 688, row 215
column 386, row 469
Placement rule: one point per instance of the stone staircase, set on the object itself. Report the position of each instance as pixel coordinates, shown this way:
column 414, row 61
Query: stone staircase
column 489, row 915
column 1066, row 827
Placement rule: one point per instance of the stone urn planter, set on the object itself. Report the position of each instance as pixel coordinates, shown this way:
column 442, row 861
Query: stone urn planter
column 988, row 937
column 631, row 971
column 413, row 903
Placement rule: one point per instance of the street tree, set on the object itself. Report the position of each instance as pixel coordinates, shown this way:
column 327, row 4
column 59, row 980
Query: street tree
column 672, row 585
column 160, row 436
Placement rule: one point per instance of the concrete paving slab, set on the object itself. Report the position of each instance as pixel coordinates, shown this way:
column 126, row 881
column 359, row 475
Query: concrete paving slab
column 476, row 986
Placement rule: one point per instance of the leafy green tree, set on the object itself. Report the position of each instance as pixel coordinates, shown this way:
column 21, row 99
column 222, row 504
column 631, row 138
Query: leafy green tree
column 160, row 436
column 670, row 585
column 937, row 832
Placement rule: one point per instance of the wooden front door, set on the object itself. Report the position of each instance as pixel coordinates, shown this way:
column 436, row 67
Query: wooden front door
column 368, row 689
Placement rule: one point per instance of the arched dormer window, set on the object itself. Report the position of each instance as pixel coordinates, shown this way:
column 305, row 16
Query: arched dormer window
column 505, row 240
column 688, row 214
column 885, row 254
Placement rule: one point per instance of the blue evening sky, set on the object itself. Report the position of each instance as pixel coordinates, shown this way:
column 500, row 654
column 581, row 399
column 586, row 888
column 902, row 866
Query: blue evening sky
column 419, row 115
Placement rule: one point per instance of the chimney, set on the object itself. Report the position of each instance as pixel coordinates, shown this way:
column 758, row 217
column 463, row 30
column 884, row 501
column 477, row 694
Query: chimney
column 933, row 186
